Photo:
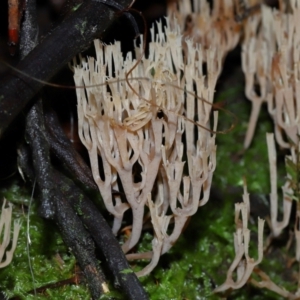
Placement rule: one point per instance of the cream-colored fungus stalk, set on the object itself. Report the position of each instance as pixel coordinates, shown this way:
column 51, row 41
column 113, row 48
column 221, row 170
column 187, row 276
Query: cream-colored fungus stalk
column 270, row 59
column 5, row 232
column 266, row 282
column 151, row 141
column 256, row 63
column 284, row 105
column 212, row 27
column 242, row 264
column 221, row 25
column 278, row 226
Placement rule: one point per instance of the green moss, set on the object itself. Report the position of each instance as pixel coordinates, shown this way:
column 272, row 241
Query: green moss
column 233, row 162
column 126, row 271
column 50, row 259
column 15, row 193
column 81, row 27
column 79, row 211
column 152, row 72
column 76, row 7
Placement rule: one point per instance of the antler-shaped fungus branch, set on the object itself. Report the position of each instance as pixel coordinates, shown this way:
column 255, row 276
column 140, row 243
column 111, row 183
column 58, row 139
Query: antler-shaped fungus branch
column 243, row 264
column 276, row 226
column 214, row 27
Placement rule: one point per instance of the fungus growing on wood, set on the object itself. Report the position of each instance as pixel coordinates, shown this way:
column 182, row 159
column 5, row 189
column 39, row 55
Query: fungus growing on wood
column 149, row 136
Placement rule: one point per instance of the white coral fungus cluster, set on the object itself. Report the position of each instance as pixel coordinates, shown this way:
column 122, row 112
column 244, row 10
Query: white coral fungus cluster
column 270, row 59
column 150, row 140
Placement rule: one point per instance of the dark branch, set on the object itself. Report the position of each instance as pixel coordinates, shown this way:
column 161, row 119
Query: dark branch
column 65, row 152
column 124, row 277
column 37, row 139
column 30, row 29
column 54, row 204
column 73, row 36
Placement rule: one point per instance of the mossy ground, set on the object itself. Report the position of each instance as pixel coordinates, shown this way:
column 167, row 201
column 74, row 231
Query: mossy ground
column 200, row 259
